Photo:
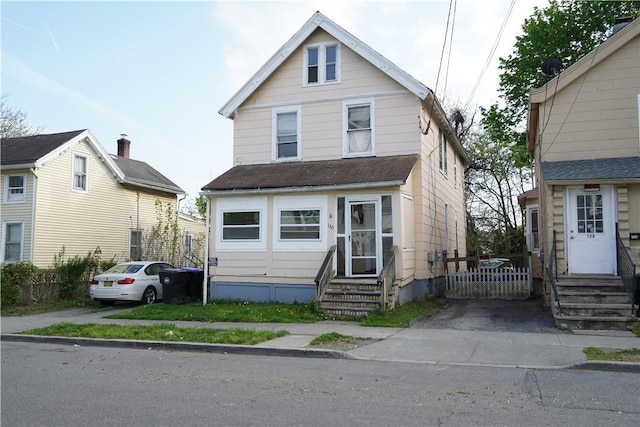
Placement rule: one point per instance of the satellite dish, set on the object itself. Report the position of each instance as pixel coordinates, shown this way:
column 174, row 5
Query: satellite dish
column 551, row 67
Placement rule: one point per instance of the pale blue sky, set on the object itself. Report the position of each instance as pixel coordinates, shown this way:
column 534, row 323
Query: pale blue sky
column 160, row 71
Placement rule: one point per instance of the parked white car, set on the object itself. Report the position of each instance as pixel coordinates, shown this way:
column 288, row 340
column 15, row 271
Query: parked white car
column 129, row 281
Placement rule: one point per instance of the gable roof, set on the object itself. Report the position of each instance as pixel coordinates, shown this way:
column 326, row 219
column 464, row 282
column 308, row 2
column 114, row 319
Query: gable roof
column 584, row 64
column 26, row 150
column 361, row 172
column 37, row 150
column 575, row 71
column 318, row 20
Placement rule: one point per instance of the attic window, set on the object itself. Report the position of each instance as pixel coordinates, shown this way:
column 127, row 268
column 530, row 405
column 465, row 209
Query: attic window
column 321, row 63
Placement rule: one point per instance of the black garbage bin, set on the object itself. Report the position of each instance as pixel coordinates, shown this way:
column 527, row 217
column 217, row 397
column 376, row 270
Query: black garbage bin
column 175, row 285
column 194, row 286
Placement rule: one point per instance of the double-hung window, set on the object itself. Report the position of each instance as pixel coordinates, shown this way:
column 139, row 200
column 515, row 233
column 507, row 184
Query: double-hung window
column 15, row 188
column 533, row 228
column 442, row 150
column 321, row 63
column 298, row 224
column 12, row 241
column 135, row 244
column 80, row 172
column 286, row 133
column 358, row 124
column 241, row 223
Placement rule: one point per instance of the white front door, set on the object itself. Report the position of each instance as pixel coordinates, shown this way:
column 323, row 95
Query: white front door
column 591, row 236
column 362, row 246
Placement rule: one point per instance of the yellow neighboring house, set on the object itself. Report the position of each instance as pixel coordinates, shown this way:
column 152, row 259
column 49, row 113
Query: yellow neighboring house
column 584, row 217
column 345, row 167
column 64, row 190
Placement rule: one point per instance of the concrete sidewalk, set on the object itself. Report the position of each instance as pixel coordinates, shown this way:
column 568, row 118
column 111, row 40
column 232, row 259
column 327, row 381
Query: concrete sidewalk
column 548, row 350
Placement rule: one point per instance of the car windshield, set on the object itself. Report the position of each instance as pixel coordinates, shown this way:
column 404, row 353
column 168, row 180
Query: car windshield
column 124, row 268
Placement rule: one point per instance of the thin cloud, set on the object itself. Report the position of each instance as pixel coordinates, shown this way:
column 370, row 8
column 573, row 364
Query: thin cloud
column 17, row 69
column 53, row 40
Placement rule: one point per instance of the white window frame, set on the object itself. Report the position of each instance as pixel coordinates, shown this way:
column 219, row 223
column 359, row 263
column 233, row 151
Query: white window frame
column 286, row 203
column 86, row 173
column 141, row 245
column 322, row 63
column 7, row 189
column 442, row 152
column 345, row 126
column 274, row 132
column 241, row 204
column 189, row 239
column 3, row 253
column 530, row 239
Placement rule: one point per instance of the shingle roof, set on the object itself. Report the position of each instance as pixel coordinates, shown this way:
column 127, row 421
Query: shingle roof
column 622, row 168
column 336, row 173
column 140, row 173
column 28, row 149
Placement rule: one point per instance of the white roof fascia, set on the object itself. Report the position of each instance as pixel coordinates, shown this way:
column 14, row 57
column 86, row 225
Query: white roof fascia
column 280, row 190
column 93, row 142
column 318, row 20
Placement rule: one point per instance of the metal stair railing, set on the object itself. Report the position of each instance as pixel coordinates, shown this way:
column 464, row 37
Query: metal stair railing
column 387, row 277
column 627, row 271
column 551, row 270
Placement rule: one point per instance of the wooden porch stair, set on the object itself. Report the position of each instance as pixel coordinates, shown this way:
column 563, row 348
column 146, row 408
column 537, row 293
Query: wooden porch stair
column 593, row 302
column 351, row 298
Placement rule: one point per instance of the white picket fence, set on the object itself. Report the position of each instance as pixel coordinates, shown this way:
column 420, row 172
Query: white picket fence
column 489, row 285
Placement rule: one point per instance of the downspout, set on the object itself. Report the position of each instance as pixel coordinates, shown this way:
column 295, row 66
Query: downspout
column 178, row 228
column 33, row 213
column 205, row 279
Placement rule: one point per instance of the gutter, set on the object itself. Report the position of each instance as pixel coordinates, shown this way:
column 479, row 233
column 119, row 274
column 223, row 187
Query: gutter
column 279, row 190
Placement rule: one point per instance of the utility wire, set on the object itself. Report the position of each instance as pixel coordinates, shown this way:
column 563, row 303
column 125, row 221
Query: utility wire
column 446, row 76
column 491, row 53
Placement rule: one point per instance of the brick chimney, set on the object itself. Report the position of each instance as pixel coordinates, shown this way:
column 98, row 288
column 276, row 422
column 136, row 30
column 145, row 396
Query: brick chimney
column 123, row 146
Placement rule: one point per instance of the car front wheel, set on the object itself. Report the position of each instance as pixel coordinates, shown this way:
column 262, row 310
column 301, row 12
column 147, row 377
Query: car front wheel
column 149, row 296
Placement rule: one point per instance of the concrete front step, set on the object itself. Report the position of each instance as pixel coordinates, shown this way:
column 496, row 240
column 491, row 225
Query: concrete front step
column 595, row 297
column 621, row 323
column 595, row 309
column 346, row 311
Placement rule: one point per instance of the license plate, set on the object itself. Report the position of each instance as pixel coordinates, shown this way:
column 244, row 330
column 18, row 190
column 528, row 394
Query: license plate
column 108, row 284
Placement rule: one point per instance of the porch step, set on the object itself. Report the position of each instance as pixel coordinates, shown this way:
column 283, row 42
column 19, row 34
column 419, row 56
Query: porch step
column 353, row 298
column 595, row 309
column 621, row 323
column 593, row 302
column 595, row 296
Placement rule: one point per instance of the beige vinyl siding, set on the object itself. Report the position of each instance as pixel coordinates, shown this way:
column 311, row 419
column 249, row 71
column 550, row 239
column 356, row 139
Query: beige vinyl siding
column 19, row 212
column 81, row 222
column 432, row 191
column 396, row 131
column 601, row 105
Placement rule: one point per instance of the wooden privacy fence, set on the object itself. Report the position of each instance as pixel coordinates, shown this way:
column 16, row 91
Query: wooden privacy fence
column 511, row 284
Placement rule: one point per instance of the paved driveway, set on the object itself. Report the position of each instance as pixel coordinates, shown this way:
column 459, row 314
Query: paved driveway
column 492, row 315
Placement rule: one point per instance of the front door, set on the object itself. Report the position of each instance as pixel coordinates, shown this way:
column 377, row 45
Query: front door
column 362, row 246
column 591, row 238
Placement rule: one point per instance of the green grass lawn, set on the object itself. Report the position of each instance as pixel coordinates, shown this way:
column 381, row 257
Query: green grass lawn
column 225, row 311
column 159, row 332
column 400, row 317
column 612, row 355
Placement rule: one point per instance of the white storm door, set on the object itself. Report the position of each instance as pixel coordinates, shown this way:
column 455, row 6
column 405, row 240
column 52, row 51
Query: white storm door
column 362, row 246
column 591, row 238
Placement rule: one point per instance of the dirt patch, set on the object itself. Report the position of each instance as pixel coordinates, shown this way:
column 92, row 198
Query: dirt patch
column 346, row 344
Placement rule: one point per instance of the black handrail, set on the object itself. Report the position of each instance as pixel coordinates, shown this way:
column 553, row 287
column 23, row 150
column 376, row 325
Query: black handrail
column 387, row 276
column 552, row 266
column 627, row 271
column 325, row 273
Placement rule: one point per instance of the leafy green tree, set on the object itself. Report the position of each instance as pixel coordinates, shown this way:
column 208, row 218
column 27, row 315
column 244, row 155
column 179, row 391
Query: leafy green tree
column 13, row 123
column 566, row 29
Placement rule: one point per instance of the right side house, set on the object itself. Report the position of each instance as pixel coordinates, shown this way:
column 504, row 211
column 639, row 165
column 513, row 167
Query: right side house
column 583, row 134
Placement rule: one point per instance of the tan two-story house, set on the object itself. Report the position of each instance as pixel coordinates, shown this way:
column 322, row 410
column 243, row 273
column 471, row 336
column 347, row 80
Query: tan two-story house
column 64, row 190
column 343, row 164
column 583, row 132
